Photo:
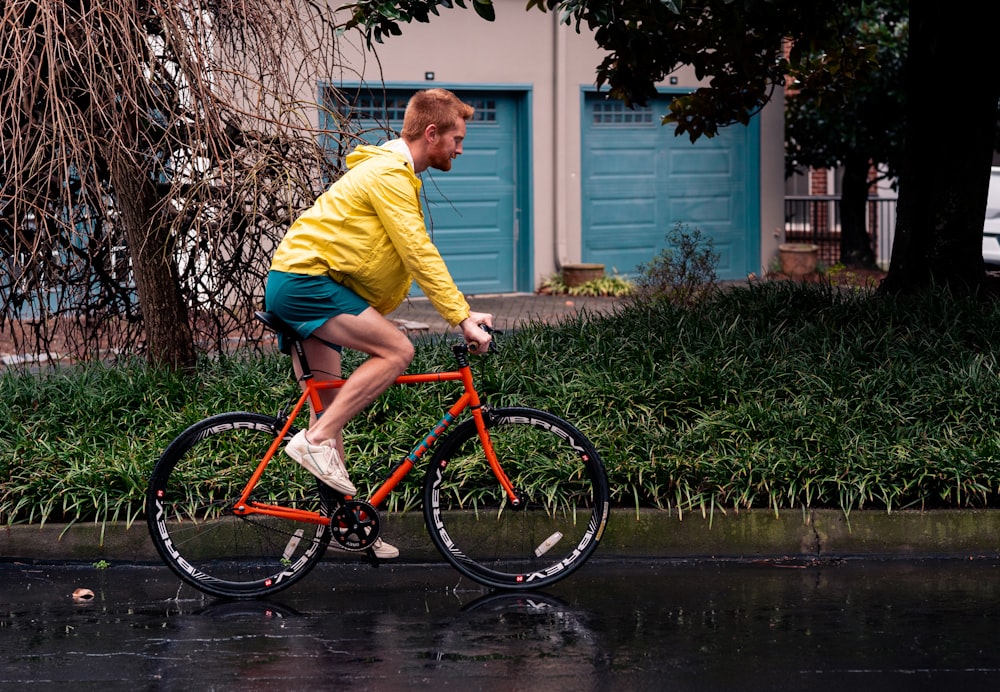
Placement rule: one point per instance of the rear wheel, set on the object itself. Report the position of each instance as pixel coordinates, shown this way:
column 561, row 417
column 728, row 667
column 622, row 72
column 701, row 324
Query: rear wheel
column 191, row 495
column 560, row 479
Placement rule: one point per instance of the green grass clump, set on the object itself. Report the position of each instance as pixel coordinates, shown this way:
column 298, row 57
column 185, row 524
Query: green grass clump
column 771, row 395
column 614, row 285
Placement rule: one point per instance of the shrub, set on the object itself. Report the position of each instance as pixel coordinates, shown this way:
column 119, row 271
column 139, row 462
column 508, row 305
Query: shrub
column 775, row 394
column 683, row 271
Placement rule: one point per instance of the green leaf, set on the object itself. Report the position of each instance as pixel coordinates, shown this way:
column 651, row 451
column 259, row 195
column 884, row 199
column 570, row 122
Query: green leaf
column 485, row 9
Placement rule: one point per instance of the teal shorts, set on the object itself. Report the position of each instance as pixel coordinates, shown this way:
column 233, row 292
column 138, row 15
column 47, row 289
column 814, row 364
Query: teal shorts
column 305, row 302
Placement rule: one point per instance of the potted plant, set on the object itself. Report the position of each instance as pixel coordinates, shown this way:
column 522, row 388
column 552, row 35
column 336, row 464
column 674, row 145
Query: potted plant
column 580, row 273
column 798, row 259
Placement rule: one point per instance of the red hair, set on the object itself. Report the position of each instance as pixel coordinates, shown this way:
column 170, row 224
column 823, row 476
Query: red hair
column 433, row 107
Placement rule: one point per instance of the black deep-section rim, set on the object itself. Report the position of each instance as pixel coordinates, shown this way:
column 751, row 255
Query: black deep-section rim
column 518, row 580
column 162, row 535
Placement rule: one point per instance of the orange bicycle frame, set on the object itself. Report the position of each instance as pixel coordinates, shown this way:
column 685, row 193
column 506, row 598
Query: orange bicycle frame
column 312, row 387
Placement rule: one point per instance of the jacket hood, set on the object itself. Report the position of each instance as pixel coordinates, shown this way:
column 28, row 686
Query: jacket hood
column 366, row 152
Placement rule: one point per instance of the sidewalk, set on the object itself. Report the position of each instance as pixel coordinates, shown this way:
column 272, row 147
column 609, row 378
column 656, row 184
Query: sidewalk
column 417, row 316
column 509, row 310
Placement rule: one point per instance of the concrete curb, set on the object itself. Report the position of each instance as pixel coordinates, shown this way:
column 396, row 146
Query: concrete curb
column 747, row 534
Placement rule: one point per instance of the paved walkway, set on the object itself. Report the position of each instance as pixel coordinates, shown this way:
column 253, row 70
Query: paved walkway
column 509, row 310
column 417, row 316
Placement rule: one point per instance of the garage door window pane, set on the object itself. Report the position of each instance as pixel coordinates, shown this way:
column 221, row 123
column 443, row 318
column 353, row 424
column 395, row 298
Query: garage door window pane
column 486, row 110
column 612, row 113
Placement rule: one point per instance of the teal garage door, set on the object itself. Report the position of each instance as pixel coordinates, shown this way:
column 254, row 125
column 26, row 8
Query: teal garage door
column 470, row 210
column 639, row 180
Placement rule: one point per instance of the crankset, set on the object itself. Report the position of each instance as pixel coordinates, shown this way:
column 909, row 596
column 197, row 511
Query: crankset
column 355, row 525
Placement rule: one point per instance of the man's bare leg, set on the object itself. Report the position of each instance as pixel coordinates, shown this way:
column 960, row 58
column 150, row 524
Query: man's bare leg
column 390, row 352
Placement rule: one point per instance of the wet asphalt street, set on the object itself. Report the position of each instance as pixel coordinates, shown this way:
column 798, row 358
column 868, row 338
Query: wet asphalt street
column 663, row 625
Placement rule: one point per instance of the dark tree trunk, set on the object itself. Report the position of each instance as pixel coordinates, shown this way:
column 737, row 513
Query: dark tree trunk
column 944, row 179
column 855, row 246
column 169, row 339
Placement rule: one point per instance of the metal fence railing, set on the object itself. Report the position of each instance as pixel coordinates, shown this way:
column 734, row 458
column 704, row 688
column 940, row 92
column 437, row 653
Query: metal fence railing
column 816, row 219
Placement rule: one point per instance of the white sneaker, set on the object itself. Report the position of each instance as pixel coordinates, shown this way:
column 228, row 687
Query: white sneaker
column 322, row 461
column 383, row 551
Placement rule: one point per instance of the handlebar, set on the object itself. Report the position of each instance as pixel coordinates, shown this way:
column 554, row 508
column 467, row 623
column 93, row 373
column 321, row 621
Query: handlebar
column 473, row 348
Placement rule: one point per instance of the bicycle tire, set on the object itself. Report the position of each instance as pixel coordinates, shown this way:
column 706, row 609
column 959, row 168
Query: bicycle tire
column 194, row 485
column 565, row 496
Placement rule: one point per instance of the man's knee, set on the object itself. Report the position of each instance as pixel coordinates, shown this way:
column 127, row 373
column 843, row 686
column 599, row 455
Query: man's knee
column 404, row 353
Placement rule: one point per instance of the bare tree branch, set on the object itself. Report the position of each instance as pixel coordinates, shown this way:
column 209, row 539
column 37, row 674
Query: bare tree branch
column 152, row 153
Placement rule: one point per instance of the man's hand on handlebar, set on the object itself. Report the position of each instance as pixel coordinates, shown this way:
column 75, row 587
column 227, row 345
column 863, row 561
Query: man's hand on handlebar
column 476, row 330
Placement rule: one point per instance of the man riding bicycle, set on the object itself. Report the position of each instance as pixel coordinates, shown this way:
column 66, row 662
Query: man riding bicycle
column 349, row 260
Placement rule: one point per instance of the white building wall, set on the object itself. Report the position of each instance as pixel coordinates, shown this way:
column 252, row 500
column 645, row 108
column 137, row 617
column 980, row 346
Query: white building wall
column 523, row 48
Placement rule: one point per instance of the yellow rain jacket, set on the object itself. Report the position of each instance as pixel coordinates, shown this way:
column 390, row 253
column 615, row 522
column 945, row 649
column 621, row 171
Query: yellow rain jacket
column 367, row 232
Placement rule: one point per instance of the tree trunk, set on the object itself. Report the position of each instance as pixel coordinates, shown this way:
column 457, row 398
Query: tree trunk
column 169, row 339
column 855, row 246
column 944, row 179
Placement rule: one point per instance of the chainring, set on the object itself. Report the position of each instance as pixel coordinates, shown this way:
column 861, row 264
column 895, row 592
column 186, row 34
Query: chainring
column 355, row 525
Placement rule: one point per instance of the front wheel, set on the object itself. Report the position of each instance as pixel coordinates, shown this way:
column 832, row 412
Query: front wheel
column 194, row 488
column 560, row 479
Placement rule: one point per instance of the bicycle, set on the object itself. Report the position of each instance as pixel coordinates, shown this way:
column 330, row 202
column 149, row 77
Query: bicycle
column 513, row 497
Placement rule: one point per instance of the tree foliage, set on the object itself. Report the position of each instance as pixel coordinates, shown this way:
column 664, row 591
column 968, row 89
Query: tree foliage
column 852, row 121
column 829, row 115
column 153, row 152
column 734, row 46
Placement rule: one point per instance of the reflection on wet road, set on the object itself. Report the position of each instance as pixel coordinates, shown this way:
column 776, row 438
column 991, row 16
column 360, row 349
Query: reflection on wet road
column 672, row 625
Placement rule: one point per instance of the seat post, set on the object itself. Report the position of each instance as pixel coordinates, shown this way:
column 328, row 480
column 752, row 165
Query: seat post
column 277, row 325
column 300, row 351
